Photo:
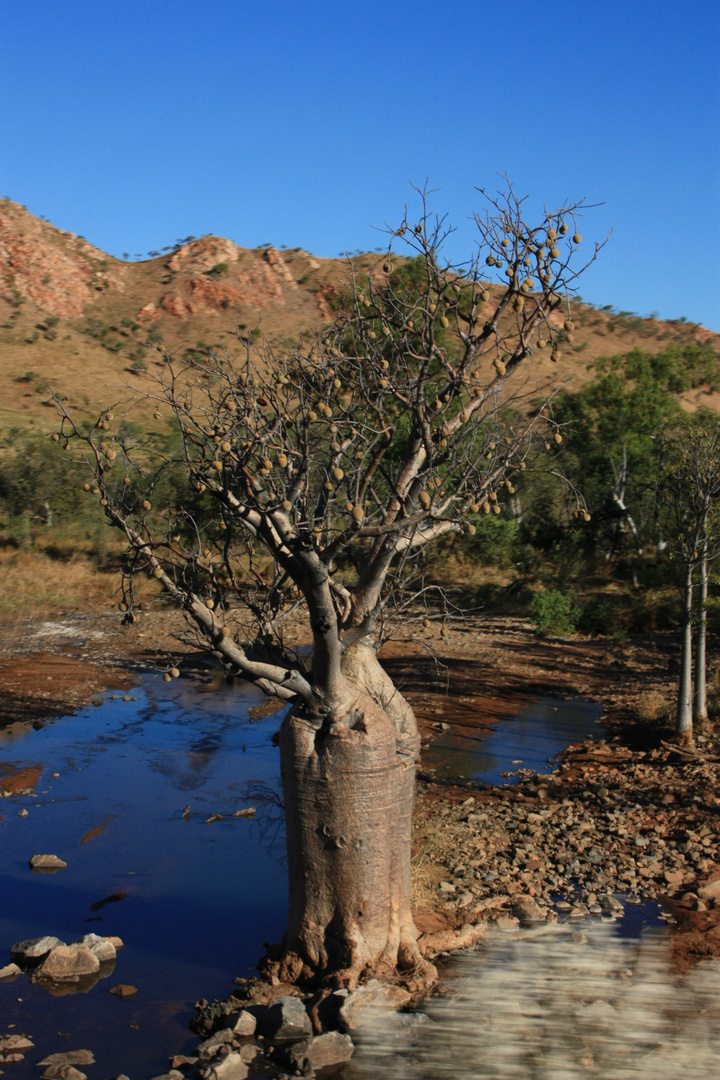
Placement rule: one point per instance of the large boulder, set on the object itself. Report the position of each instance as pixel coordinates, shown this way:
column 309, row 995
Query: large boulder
column 33, row 950
column 230, row 1067
column 68, row 962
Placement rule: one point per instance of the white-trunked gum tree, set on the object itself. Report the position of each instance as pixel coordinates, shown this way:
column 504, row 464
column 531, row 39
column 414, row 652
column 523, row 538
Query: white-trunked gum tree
column 309, row 478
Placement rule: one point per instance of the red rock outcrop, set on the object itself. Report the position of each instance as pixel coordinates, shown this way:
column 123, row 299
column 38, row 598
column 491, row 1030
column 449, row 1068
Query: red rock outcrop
column 203, row 254
column 57, row 271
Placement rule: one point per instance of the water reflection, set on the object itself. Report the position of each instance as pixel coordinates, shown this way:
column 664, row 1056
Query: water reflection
column 558, row 1002
column 529, row 741
column 198, row 899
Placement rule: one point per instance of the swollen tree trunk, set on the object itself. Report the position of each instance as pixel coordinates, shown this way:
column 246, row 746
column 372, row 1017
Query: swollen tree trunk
column 700, row 714
column 348, row 784
column 683, row 716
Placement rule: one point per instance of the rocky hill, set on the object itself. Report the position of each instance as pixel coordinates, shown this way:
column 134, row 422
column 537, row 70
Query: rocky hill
column 91, row 326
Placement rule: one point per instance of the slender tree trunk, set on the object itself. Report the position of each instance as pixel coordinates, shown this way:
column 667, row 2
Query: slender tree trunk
column 683, row 716
column 700, row 714
column 348, row 784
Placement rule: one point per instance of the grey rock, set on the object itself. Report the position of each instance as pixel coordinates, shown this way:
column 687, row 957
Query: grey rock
column 208, row 1049
column 9, row 971
column 98, row 946
column 243, row 1023
column 332, row 1048
column 34, row 949
column 171, row 1074
column 527, row 910
column 286, row 1018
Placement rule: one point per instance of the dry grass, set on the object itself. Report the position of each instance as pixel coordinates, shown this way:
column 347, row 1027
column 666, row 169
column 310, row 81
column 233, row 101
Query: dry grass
column 35, row 585
column 652, row 705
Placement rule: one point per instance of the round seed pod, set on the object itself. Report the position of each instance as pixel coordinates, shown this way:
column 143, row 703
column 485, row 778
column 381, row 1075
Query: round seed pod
column 586, row 516
column 563, row 228
column 338, row 474
column 558, row 437
column 358, row 513
column 230, row 405
column 577, row 238
column 496, row 508
column 225, row 447
column 444, row 321
column 312, row 415
column 147, row 505
column 286, row 504
column 470, row 529
column 554, row 253
column 210, row 603
column 425, row 498
column 122, row 606
column 108, row 416
column 426, row 622
column 282, row 460
column 167, row 676
column 383, row 383
column 103, row 502
column 55, row 437
column 486, row 508
column 445, row 633
column 156, row 416
column 157, row 572
column 475, row 507
column 490, row 260
column 175, row 674
column 225, row 631
column 568, row 324
column 384, row 364
column 328, row 486
column 217, row 464
column 86, row 487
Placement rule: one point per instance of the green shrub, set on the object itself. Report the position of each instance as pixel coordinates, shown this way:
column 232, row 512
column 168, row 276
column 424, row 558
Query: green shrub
column 553, row 613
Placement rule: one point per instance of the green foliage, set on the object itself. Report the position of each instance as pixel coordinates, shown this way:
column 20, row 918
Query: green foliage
column 554, row 613
column 219, row 270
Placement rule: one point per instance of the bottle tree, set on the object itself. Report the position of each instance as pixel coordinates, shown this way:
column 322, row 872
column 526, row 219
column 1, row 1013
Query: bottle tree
column 308, row 480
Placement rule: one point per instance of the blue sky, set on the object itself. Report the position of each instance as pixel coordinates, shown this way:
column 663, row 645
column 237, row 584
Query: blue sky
column 303, row 124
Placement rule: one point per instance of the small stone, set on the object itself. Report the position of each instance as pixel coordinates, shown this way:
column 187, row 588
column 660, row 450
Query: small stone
column 10, row 971
column 286, row 1018
column 15, row 1042
column 62, row 1072
column 332, row 1048
column 67, row 961
column 23, row 812
column 123, row 990
column 47, row 864
column 208, row 1049
column 69, row 1057
column 231, row 1067
column 116, row 941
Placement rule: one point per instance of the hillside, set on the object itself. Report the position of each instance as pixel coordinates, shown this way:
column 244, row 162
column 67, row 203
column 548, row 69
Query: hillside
column 90, row 325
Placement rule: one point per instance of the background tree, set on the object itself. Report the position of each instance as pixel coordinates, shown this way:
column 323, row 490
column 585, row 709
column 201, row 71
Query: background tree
column 319, row 472
column 613, row 443
column 690, row 485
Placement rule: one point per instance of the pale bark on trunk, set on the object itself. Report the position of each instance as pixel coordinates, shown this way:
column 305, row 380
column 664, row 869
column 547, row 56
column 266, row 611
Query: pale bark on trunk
column 348, row 785
column 700, row 714
column 683, row 715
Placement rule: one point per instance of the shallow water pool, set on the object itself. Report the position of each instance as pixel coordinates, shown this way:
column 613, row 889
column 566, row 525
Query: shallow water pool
column 200, row 899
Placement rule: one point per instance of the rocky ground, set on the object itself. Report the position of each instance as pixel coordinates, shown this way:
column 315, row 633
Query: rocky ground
column 624, row 813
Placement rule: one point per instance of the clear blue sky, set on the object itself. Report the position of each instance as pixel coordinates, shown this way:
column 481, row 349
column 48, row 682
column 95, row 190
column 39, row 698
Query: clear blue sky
column 303, row 123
